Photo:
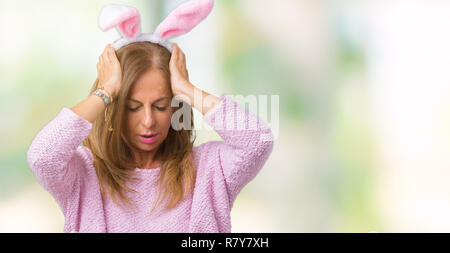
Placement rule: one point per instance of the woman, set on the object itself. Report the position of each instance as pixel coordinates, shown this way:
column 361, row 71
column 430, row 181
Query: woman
column 134, row 171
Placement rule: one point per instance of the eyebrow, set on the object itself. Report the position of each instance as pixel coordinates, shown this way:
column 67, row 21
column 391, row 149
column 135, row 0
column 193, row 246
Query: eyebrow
column 156, row 101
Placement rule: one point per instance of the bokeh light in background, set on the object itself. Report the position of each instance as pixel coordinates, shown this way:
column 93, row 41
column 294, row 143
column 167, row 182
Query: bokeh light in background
column 364, row 132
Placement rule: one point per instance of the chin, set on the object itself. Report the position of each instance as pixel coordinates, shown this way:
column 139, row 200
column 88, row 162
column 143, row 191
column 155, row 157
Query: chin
column 147, row 147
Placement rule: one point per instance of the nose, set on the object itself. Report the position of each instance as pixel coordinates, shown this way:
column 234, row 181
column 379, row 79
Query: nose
column 148, row 118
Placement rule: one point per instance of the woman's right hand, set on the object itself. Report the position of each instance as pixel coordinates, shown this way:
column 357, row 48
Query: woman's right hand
column 109, row 71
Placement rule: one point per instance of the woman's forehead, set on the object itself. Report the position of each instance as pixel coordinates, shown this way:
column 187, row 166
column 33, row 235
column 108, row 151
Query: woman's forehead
column 151, row 89
column 153, row 76
column 150, row 86
column 149, row 94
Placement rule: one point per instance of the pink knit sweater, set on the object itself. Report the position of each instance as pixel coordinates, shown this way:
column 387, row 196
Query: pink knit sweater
column 66, row 170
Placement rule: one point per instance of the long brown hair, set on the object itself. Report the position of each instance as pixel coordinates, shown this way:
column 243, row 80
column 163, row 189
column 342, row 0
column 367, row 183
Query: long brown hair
column 113, row 159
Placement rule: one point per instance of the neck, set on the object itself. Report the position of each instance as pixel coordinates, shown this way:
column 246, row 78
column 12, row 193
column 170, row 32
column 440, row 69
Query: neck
column 147, row 160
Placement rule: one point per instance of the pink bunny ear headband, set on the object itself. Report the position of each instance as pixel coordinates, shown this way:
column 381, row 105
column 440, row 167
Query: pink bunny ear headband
column 127, row 22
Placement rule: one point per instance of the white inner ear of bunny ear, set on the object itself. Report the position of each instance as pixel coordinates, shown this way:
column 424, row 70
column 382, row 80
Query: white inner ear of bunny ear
column 125, row 19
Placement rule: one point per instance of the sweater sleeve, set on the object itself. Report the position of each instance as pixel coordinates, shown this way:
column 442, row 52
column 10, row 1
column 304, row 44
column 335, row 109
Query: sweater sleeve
column 248, row 142
column 55, row 148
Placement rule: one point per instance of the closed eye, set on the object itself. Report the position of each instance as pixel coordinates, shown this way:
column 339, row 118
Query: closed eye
column 158, row 108
column 161, row 108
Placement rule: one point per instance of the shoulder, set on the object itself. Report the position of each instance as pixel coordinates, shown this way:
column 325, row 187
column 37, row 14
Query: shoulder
column 207, row 147
column 207, row 154
column 85, row 155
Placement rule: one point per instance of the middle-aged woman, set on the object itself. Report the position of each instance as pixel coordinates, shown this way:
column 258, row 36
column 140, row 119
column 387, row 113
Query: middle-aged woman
column 137, row 171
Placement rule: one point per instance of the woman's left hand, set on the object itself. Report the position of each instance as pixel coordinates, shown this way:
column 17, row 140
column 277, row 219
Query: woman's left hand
column 179, row 75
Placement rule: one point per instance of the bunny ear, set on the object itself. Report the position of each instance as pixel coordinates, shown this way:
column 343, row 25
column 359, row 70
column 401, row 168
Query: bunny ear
column 125, row 19
column 184, row 18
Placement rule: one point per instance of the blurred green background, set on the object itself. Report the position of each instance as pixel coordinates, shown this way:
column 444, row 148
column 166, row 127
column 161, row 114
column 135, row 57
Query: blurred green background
column 364, row 113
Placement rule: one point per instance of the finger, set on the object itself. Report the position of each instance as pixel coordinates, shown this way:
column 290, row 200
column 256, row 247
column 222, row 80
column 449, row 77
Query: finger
column 175, row 48
column 105, row 57
column 109, row 49
column 100, row 72
column 109, row 55
column 180, row 53
column 182, row 59
column 105, row 53
column 113, row 54
column 179, row 50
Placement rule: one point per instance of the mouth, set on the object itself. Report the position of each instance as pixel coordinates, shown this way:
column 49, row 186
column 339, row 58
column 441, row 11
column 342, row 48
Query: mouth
column 148, row 136
column 148, row 139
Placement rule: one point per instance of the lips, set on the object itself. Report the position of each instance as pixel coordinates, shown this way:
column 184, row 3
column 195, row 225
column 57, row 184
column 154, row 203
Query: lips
column 148, row 139
column 147, row 135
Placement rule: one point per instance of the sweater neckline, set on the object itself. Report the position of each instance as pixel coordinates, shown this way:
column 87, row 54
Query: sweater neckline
column 154, row 170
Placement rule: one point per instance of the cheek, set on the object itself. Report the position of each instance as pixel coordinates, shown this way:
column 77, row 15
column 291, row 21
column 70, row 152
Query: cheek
column 132, row 121
column 164, row 119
